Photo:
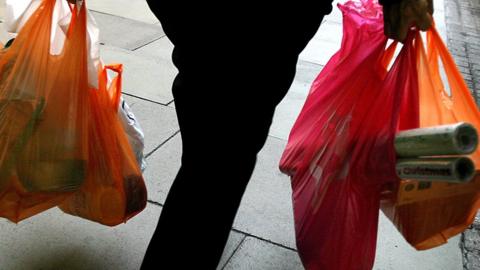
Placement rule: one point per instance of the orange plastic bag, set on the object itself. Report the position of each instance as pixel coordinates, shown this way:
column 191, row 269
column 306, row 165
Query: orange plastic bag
column 114, row 190
column 43, row 118
column 428, row 213
column 60, row 141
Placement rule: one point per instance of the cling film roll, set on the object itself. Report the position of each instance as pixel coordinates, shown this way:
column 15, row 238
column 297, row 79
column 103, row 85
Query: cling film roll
column 453, row 169
column 456, row 139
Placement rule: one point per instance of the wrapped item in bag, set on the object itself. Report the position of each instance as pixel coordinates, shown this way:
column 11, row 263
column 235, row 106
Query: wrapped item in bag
column 428, row 213
column 134, row 131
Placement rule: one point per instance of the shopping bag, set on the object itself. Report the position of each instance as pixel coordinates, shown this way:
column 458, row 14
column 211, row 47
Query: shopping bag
column 340, row 152
column 114, row 190
column 43, row 117
column 62, row 140
column 17, row 14
column 428, row 213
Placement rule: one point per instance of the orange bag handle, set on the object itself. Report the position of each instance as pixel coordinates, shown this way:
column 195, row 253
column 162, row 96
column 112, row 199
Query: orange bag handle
column 115, row 88
column 438, row 49
column 389, row 53
column 437, row 107
column 74, row 10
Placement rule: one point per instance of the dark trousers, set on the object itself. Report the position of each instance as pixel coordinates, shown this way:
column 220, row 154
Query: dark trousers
column 236, row 63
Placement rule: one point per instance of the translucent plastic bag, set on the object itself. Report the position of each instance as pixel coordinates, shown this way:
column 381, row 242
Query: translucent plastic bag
column 340, row 151
column 428, row 213
column 61, row 141
column 43, row 117
column 114, row 190
column 18, row 13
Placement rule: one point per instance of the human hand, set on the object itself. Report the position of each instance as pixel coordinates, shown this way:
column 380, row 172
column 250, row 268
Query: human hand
column 400, row 16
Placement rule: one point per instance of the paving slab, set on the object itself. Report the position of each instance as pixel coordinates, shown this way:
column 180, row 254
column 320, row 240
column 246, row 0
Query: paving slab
column 126, row 33
column 266, row 209
column 255, row 254
column 158, row 122
column 287, row 111
column 162, row 168
column 131, row 9
column 319, row 51
column 234, row 241
column 161, row 48
column 54, row 240
column 145, row 77
column 394, row 253
column 329, row 32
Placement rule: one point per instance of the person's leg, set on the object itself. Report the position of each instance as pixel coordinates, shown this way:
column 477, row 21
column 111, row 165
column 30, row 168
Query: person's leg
column 225, row 96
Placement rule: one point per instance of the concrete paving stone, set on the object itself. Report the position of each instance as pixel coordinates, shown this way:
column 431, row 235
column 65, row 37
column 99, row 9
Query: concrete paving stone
column 54, row 240
column 329, row 31
column 319, row 51
column 336, row 14
column 146, row 77
column 161, row 48
column 159, row 175
column 234, row 240
column 393, row 252
column 158, row 122
column 126, row 33
column 255, row 254
column 266, row 209
column 131, row 9
column 162, row 167
column 287, row 111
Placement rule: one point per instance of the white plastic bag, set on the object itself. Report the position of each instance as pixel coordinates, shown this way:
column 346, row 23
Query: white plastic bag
column 134, row 131
column 17, row 13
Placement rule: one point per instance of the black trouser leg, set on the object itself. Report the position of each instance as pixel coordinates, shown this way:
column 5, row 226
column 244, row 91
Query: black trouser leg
column 225, row 96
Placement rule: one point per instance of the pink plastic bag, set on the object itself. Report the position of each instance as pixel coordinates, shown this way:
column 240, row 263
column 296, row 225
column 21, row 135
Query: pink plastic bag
column 340, row 151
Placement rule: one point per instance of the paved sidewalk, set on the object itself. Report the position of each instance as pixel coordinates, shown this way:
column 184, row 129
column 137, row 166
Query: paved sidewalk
column 263, row 232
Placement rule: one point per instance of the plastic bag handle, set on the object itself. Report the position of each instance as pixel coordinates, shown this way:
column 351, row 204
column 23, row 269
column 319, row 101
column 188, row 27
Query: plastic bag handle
column 437, row 49
column 75, row 9
column 389, row 53
column 115, row 89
